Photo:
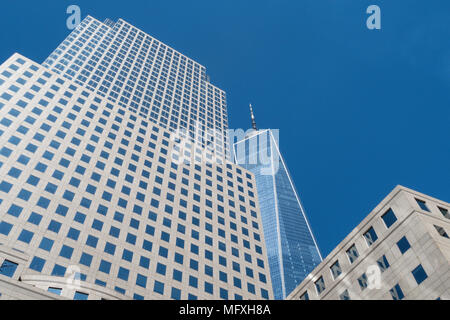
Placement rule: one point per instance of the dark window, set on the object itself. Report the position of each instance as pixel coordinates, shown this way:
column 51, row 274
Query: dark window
column 444, row 212
column 396, row 292
column 370, row 236
column 419, row 274
column 422, row 204
column 383, row 263
column 336, row 269
column 441, row 231
column 320, row 285
column 389, row 218
column 352, row 253
column 8, row 268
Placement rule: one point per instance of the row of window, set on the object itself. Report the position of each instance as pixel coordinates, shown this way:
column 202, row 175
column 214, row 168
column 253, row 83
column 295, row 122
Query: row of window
column 371, row 237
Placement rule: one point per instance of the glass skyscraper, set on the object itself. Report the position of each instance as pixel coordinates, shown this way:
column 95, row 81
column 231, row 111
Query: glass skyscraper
column 101, row 197
column 291, row 248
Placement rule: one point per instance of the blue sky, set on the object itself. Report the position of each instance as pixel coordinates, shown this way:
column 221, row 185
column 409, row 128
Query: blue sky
column 359, row 111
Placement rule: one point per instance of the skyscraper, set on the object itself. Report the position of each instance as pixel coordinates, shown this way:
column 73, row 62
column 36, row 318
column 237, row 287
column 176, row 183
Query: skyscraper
column 101, row 196
column 291, row 247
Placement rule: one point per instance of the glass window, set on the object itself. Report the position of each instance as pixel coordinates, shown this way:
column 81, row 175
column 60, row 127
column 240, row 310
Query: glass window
column 441, row 231
column 37, row 264
column 383, row 263
column 370, row 236
column 8, row 268
column 56, row 291
column 344, row 295
column 444, row 212
column 320, row 285
column 123, row 274
column 26, row 236
column 352, row 253
column 363, row 282
column 58, row 271
column 422, row 204
column 5, row 228
column 141, row 280
column 158, row 287
column 396, row 292
column 46, row 244
column 419, row 274
column 389, row 218
column 304, row 296
column 80, row 296
column 336, row 269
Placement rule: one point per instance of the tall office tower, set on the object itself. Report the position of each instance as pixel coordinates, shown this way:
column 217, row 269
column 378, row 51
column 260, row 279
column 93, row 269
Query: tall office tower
column 97, row 201
column 291, row 248
column 401, row 250
column 136, row 71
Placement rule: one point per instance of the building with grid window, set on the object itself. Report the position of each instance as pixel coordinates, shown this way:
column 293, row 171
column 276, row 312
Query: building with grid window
column 101, row 200
column 400, row 251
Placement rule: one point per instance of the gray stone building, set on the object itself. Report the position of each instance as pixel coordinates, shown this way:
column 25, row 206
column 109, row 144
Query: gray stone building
column 401, row 250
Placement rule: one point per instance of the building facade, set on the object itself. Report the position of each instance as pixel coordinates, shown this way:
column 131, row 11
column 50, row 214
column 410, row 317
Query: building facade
column 98, row 200
column 291, row 247
column 400, row 251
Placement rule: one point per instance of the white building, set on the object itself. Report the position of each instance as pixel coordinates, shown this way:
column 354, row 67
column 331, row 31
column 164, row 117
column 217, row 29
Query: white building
column 400, row 251
column 99, row 200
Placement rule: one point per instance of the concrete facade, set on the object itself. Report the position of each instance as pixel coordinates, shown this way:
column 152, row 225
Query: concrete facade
column 386, row 266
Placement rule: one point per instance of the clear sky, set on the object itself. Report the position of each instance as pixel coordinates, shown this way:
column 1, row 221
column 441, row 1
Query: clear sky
column 359, row 111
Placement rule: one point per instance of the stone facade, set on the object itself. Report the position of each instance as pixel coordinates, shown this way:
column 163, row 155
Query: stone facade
column 386, row 265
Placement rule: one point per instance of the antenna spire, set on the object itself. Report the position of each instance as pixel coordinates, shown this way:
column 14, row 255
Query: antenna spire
column 253, row 118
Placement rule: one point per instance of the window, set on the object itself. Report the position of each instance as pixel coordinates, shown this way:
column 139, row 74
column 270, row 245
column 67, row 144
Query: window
column 158, row 287
column 352, row 253
column 56, row 291
column 105, row 266
column 396, row 292
column 8, row 268
column 441, row 231
column 422, row 204
column 363, row 281
column 37, row 264
column 5, row 228
column 80, row 296
column 370, row 236
column 344, row 295
column 444, row 212
column 383, row 263
column 419, row 274
column 86, row 259
column 66, row 252
column 403, row 245
column 304, row 296
column 389, row 218
column 336, row 270
column 320, row 285
column 46, row 244
column 58, row 271
column 26, row 236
